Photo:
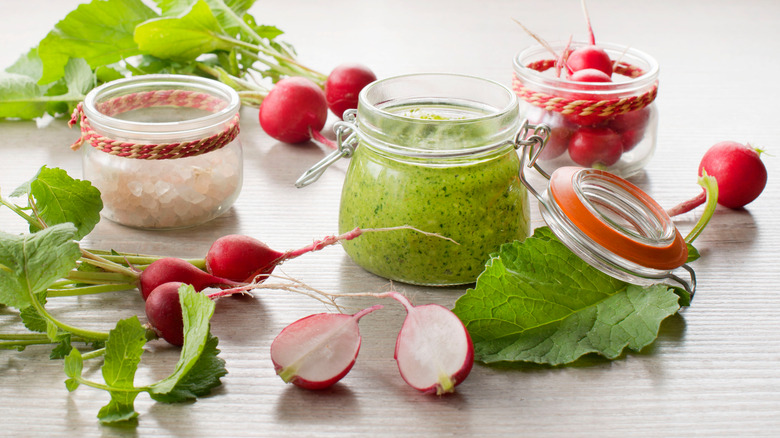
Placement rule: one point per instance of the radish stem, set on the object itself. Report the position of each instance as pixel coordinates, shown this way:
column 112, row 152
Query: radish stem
column 710, row 185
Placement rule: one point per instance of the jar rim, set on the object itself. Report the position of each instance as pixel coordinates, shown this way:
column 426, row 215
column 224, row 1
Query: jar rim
column 192, row 127
column 622, row 53
column 363, row 96
column 374, row 104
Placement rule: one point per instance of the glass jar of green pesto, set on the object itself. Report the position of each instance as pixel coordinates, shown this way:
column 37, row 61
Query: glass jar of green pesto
column 435, row 152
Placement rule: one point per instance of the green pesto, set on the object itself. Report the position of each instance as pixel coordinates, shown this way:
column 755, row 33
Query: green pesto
column 480, row 205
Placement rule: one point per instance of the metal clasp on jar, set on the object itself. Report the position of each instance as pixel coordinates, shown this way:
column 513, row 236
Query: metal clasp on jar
column 346, row 142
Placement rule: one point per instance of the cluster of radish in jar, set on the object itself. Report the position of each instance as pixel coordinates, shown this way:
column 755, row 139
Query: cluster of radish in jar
column 597, row 108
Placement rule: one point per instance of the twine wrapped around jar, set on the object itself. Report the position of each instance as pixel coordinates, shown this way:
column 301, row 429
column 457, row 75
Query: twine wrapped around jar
column 585, row 107
column 148, row 99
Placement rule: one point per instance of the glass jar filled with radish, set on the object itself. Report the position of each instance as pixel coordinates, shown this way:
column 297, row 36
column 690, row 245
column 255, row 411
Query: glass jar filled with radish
column 599, row 102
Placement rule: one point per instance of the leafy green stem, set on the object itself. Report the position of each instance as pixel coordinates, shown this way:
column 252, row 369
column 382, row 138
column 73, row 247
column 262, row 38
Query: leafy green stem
column 89, row 334
column 88, row 290
column 19, row 211
column 314, row 75
column 101, row 262
column 96, row 277
column 94, row 353
column 710, row 185
column 139, row 259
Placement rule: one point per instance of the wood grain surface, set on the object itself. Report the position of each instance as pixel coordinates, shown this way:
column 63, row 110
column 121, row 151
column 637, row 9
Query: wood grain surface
column 713, row 371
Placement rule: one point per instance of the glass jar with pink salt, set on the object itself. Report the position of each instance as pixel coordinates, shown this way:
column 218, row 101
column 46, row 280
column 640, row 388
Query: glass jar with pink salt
column 163, row 150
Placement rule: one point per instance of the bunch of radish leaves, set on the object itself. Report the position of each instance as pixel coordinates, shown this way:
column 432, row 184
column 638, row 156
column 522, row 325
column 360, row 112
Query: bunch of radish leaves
column 109, row 39
column 61, row 210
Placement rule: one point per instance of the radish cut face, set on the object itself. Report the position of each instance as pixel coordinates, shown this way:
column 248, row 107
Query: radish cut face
column 433, row 349
column 317, row 351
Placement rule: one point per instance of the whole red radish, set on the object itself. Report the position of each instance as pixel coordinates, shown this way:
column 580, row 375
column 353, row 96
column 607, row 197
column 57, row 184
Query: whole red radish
column 319, row 350
column 163, row 310
column 241, row 258
column 595, row 146
column 169, row 269
column 739, row 170
column 590, row 57
column 433, row 349
column 294, row 107
column 343, row 86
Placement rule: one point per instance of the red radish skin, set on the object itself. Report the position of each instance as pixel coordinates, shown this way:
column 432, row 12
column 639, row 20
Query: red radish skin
column 590, row 57
column 590, row 75
column 595, row 146
column 631, row 126
column 294, row 107
column 317, row 351
column 163, row 310
column 169, row 269
column 433, row 350
column 241, row 258
column 739, row 171
column 343, row 86
column 561, row 131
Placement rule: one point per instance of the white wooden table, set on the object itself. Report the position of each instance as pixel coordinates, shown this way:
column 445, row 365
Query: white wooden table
column 713, row 371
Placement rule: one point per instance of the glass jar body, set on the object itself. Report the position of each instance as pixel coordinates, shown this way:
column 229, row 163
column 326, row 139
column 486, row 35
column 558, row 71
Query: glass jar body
column 198, row 172
column 434, row 163
column 165, row 194
column 611, row 126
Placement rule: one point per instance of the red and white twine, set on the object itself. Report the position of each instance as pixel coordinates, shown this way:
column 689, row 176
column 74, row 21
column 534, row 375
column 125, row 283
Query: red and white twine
column 585, row 107
column 155, row 98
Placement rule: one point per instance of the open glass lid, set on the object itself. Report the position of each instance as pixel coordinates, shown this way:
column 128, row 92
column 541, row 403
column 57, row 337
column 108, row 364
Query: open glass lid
column 608, row 222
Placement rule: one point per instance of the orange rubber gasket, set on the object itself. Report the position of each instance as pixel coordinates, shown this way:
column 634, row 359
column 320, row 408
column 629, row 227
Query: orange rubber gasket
column 661, row 257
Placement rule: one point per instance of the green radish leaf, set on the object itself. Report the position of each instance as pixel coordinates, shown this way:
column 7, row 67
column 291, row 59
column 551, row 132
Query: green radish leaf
column 693, row 253
column 204, row 375
column 124, row 348
column 106, row 73
column 61, row 199
column 226, row 12
column 33, row 320
column 34, row 261
column 79, row 78
column 538, row 302
column 62, row 349
column 182, row 38
column 199, row 369
column 20, row 97
column 101, row 32
column 28, row 64
column 52, row 331
column 74, row 364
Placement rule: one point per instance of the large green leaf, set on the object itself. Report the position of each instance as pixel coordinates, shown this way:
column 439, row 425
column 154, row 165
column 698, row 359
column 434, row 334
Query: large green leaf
column 538, row 302
column 182, row 38
column 227, row 12
column 101, row 32
column 20, row 97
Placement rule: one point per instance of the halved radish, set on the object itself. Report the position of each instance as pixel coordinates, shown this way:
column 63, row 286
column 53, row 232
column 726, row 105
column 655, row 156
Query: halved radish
column 316, row 351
